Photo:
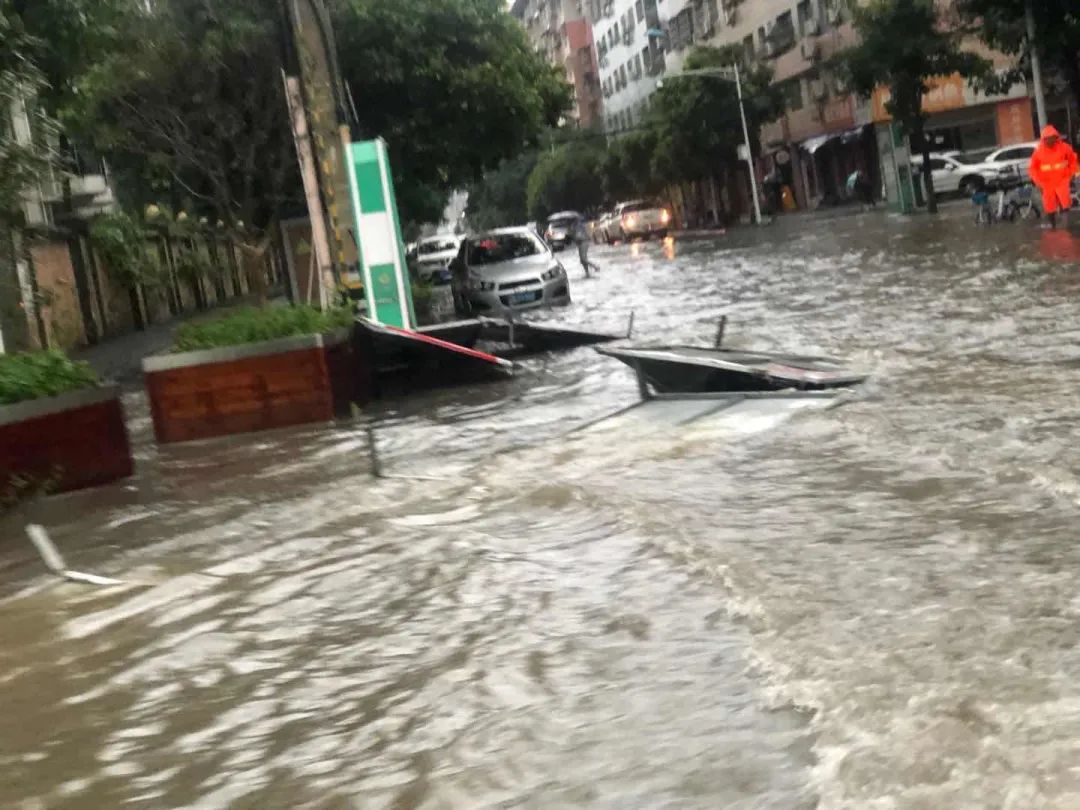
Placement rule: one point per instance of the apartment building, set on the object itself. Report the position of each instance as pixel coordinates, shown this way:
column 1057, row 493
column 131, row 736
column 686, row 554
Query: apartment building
column 561, row 31
column 630, row 51
column 826, row 132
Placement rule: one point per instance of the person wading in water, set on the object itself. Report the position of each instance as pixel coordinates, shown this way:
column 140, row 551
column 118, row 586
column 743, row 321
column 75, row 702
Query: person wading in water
column 1052, row 168
column 583, row 238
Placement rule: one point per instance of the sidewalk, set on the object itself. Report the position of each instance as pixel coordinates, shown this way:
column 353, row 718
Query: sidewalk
column 119, row 359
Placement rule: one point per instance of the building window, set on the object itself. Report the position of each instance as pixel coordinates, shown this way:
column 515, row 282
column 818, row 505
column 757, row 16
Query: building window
column 808, row 26
column 748, row 48
column 637, row 66
column 793, row 97
column 646, row 59
column 639, row 7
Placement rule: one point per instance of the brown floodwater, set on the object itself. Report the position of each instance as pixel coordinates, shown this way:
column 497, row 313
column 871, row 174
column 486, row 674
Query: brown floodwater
column 873, row 607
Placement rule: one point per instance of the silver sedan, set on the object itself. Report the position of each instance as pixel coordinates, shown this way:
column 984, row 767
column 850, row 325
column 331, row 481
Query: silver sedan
column 508, row 270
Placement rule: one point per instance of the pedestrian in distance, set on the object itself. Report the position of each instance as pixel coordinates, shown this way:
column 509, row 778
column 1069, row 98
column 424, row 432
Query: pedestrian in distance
column 583, row 239
column 860, row 188
column 1052, row 169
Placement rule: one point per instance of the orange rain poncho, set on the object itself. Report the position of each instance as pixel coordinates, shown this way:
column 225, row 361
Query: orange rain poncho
column 1052, row 169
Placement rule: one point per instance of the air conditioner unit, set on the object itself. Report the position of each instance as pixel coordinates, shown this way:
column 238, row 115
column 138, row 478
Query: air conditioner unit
column 812, row 27
column 834, row 11
column 770, row 48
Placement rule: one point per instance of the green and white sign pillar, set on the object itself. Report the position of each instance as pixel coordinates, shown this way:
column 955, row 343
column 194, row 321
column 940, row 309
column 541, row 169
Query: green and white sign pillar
column 378, row 236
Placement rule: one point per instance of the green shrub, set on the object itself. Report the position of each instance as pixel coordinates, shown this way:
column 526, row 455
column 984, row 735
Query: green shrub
column 121, row 244
column 252, row 325
column 33, row 375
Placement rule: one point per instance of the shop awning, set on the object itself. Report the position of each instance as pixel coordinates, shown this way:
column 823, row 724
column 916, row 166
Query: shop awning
column 853, row 135
column 811, row 145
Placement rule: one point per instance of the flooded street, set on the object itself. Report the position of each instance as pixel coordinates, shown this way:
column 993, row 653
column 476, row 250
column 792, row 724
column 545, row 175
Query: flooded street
column 868, row 608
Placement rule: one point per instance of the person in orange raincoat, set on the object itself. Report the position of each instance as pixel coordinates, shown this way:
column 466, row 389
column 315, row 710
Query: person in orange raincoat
column 1052, row 168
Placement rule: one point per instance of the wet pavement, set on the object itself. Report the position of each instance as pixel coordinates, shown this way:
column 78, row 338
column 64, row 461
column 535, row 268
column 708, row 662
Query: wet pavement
column 871, row 607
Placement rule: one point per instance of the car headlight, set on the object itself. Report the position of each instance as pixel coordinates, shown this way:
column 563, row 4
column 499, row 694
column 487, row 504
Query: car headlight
column 555, row 271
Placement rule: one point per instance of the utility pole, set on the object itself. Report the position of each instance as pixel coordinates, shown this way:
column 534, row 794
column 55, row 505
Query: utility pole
column 1036, row 66
column 731, row 74
column 746, row 141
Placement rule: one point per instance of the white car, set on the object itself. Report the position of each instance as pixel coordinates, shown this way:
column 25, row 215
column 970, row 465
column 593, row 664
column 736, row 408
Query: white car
column 967, row 173
column 507, row 270
column 433, row 257
column 600, row 226
column 1018, row 156
column 637, row 219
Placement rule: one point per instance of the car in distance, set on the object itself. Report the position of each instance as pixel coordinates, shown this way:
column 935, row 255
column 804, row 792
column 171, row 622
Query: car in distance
column 433, row 256
column 637, row 219
column 507, row 270
column 598, row 226
column 559, row 231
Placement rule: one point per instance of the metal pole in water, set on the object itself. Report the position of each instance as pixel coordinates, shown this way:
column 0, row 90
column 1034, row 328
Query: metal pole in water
column 630, row 326
column 55, row 562
column 720, row 331
column 373, row 449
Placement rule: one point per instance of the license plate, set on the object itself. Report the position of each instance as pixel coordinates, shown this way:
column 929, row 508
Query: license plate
column 523, row 298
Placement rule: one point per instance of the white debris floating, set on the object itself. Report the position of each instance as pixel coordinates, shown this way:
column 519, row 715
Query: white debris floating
column 55, row 563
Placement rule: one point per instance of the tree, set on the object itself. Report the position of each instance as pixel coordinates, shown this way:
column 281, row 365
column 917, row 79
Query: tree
column 696, row 119
column 191, row 106
column 500, row 196
column 22, row 159
column 628, row 166
column 68, row 36
column 569, row 177
column 452, row 85
column 904, row 63
column 1057, row 35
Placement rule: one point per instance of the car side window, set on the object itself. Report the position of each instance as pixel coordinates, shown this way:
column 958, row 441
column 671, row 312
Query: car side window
column 936, row 165
column 1014, row 154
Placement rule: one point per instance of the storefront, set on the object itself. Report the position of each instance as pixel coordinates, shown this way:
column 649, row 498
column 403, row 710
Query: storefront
column 831, row 158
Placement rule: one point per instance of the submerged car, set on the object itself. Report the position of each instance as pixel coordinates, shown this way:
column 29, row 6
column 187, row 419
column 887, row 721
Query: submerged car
column 507, row 270
column 433, row 256
column 560, row 229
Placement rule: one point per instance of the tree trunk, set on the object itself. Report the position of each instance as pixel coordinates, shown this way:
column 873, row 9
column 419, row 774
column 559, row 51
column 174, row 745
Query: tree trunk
column 1072, row 77
column 927, row 173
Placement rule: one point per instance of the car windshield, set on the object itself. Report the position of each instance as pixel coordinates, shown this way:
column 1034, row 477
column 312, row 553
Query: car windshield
column 644, row 205
column 971, row 158
column 502, row 247
column 437, row 246
column 561, row 222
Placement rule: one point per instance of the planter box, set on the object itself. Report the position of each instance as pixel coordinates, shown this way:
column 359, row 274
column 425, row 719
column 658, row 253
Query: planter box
column 72, row 441
column 256, row 386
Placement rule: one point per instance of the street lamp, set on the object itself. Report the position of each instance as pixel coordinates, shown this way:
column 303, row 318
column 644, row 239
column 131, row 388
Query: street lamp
column 731, row 74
